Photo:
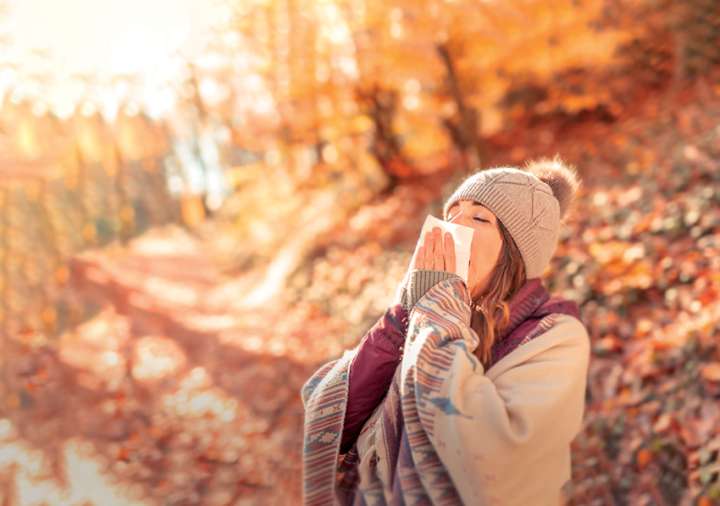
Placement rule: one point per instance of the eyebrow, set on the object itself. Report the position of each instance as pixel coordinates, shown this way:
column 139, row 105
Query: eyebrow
column 457, row 204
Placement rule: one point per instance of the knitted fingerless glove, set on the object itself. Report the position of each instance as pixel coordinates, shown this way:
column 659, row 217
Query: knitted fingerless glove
column 418, row 283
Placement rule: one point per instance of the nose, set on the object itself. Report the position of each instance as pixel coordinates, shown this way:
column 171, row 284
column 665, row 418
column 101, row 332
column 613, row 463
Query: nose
column 458, row 215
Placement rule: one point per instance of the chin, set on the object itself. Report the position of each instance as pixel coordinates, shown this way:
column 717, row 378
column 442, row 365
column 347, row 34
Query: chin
column 472, row 289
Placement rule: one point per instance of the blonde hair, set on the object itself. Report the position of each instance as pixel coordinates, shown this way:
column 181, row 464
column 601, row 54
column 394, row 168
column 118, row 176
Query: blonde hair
column 490, row 309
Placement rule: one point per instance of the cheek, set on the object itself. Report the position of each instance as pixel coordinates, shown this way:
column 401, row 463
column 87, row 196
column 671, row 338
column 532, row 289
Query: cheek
column 486, row 247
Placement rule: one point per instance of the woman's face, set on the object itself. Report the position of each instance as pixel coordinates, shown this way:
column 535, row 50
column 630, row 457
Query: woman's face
column 486, row 243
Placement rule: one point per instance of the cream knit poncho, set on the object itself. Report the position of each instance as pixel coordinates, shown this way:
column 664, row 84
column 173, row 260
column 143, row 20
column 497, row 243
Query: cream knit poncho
column 499, row 437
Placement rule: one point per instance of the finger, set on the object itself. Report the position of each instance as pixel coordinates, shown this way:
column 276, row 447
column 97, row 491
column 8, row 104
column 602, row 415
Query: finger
column 426, row 261
column 429, row 253
column 419, row 259
column 449, row 252
column 438, row 253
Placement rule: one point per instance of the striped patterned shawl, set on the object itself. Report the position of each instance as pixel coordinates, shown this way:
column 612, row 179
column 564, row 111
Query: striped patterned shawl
column 404, row 467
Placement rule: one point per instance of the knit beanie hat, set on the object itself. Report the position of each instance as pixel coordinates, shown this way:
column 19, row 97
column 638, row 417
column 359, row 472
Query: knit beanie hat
column 530, row 202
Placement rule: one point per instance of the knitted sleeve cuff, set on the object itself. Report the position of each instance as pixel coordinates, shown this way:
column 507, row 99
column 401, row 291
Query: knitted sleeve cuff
column 420, row 281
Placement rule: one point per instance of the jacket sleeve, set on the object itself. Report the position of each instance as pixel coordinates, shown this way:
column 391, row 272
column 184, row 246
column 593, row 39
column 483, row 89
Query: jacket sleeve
column 505, row 436
column 380, row 351
column 372, row 369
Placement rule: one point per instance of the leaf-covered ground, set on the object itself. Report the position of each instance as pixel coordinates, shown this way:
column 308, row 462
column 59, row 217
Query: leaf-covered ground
column 183, row 388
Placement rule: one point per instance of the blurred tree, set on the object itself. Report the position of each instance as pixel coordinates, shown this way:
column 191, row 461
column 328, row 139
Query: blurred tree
column 422, row 81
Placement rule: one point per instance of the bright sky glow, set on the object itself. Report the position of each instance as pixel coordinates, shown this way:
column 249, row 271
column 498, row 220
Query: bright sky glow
column 53, row 43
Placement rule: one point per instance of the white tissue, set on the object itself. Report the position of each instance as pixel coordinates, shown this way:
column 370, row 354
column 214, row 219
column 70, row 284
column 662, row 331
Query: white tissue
column 462, row 238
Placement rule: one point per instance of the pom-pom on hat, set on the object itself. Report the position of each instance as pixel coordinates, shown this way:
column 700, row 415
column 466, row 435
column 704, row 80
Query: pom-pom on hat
column 531, row 202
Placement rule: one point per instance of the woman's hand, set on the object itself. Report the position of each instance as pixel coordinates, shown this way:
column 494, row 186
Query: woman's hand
column 437, row 252
column 433, row 261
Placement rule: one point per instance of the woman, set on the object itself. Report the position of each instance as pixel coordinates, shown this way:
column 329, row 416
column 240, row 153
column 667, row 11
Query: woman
column 461, row 393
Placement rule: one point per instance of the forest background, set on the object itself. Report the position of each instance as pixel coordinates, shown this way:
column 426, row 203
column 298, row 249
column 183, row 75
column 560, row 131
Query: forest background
column 200, row 202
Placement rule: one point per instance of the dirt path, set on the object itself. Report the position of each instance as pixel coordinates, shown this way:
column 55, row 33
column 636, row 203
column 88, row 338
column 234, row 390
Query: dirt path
column 171, row 394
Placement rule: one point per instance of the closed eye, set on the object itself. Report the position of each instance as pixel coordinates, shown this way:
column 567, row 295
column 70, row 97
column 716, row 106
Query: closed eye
column 476, row 218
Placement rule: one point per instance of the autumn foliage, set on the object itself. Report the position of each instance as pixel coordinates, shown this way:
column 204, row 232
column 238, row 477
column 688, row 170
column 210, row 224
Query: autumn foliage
column 166, row 341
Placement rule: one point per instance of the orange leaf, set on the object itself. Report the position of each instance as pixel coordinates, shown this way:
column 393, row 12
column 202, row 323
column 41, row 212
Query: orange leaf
column 643, row 458
column 711, row 372
column 663, row 423
column 608, row 344
column 122, row 453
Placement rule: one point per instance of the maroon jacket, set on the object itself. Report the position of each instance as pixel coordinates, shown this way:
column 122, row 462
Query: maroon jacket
column 380, row 350
column 372, row 369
